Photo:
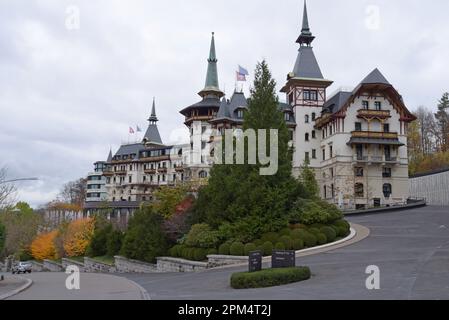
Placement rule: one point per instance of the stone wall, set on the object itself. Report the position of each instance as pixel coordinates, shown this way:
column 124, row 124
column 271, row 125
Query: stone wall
column 124, row 265
column 37, row 267
column 434, row 188
column 94, row 266
column 68, row 262
column 52, row 266
column 167, row 264
column 220, row 260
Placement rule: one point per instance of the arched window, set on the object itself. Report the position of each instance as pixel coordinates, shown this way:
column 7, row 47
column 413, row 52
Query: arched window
column 203, row 174
column 307, row 118
column 388, row 190
column 358, row 190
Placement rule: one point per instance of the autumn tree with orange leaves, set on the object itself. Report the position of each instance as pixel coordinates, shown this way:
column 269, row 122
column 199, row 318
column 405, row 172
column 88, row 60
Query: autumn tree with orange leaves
column 78, row 236
column 43, row 247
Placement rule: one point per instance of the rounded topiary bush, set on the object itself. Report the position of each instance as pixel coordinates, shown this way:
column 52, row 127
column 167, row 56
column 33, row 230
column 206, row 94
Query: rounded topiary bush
column 258, row 242
column 176, row 251
column 285, row 232
column 199, row 254
column 212, row 251
column 270, row 237
column 314, row 231
column 298, row 233
column 280, row 246
column 287, row 241
column 321, row 239
column 335, row 228
column 317, row 226
column 343, row 232
column 249, row 247
column 267, row 248
column 330, row 233
column 224, row 249
column 237, row 249
column 310, row 240
column 298, row 244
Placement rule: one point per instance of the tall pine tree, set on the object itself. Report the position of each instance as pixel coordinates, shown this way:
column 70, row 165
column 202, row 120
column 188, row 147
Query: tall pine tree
column 442, row 117
column 238, row 199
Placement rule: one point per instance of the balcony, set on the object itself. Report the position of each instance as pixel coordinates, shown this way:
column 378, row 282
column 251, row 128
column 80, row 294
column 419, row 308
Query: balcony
column 391, row 160
column 108, row 173
column 361, row 159
column 322, row 121
column 180, row 169
column 150, row 171
column 162, row 170
column 155, row 159
column 198, row 118
column 375, row 135
column 372, row 114
column 120, row 172
column 375, row 159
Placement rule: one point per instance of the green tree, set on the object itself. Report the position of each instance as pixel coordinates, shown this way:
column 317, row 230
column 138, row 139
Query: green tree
column 442, row 117
column 168, row 198
column 2, row 238
column 308, row 179
column 145, row 239
column 237, row 198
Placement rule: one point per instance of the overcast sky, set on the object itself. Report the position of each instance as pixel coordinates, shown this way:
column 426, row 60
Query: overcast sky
column 67, row 95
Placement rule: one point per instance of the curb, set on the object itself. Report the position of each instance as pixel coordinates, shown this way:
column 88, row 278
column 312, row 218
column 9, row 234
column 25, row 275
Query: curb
column 144, row 293
column 28, row 283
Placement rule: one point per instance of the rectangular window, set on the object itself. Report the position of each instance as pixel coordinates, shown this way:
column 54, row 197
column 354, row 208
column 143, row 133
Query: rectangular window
column 386, row 127
column 313, row 134
column 307, row 157
column 359, row 172
column 313, row 95
column 313, row 154
column 291, row 98
column 331, row 151
column 240, row 114
column 386, row 172
column 365, row 104
column 203, row 145
column 306, row 95
column 358, row 126
column 287, row 116
column 324, row 154
column 331, row 171
column 378, row 105
column 313, row 116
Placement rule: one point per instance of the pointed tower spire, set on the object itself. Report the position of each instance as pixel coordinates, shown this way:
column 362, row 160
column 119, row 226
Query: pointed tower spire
column 153, row 118
column 152, row 135
column 109, row 156
column 306, row 37
column 212, row 86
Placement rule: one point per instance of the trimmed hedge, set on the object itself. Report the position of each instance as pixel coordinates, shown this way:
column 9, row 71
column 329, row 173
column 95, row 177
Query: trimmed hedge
column 280, row 246
column 321, row 239
column 298, row 244
column 270, row 237
column 330, row 233
column 267, row 248
column 224, row 249
column 287, row 241
column 310, row 240
column 237, row 249
column 249, row 247
column 269, row 277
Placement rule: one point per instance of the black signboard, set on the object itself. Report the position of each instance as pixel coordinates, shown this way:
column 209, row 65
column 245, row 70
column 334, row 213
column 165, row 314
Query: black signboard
column 283, row 259
column 255, row 261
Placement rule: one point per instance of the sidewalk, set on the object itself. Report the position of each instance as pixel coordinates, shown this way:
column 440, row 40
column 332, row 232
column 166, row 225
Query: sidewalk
column 93, row 286
column 12, row 285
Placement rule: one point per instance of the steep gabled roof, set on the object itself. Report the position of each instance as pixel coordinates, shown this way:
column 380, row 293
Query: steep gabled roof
column 375, row 77
column 306, row 65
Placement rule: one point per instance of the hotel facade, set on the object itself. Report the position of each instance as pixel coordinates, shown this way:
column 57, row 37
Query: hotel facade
column 355, row 141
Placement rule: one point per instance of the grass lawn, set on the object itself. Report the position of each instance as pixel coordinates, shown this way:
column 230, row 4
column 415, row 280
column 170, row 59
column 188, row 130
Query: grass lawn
column 105, row 259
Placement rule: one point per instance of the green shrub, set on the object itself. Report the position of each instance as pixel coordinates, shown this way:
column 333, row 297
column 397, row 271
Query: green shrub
column 199, row 254
column 298, row 244
column 321, row 239
column 98, row 243
column 344, row 228
column 212, row 251
column 317, row 225
column 237, row 249
column 249, row 247
column 175, row 251
column 335, row 228
column 270, row 237
column 279, row 246
column 330, row 233
column 145, row 239
column 314, row 231
column 258, row 242
column 285, row 232
column 287, row 241
column 114, row 243
column 224, row 249
column 267, row 248
column 310, row 240
column 314, row 211
column 202, row 236
column 343, row 232
column 299, row 233
column 269, row 277
column 187, row 253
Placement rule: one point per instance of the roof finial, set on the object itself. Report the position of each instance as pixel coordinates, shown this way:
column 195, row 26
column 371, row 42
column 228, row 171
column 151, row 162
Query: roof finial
column 306, row 36
column 211, row 86
column 153, row 118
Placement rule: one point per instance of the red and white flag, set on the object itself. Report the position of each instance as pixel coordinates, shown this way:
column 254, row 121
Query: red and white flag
column 131, row 130
column 240, row 77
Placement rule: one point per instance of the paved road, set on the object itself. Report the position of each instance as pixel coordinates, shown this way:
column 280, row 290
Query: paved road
column 411, row 248
column 51, row 286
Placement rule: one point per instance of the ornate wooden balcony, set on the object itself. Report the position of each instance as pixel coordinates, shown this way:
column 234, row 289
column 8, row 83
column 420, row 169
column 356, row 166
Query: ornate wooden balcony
column 120, row 172
column 375, row 135
column 322, row 121
column 162, row 170
column 180, row 169
column 155, row 159
column 374, row 114
column 150, row 171
column 108, row 173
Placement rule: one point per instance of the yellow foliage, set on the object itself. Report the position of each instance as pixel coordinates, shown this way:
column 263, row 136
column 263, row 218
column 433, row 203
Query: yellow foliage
column 43, row 246
column 78, row 236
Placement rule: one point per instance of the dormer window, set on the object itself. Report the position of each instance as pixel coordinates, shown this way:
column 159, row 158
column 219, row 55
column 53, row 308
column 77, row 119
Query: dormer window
column 240, row 114
column 287, row 116
column 365, row 104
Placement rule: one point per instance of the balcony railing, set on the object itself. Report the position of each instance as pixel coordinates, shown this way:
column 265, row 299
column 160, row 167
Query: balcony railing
column 381, row 114
column 150, row 171
column 360, row 158
column 375, row 159
column 391, row 159
column 198, row 118
column 162, row 170
column 375, row 135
